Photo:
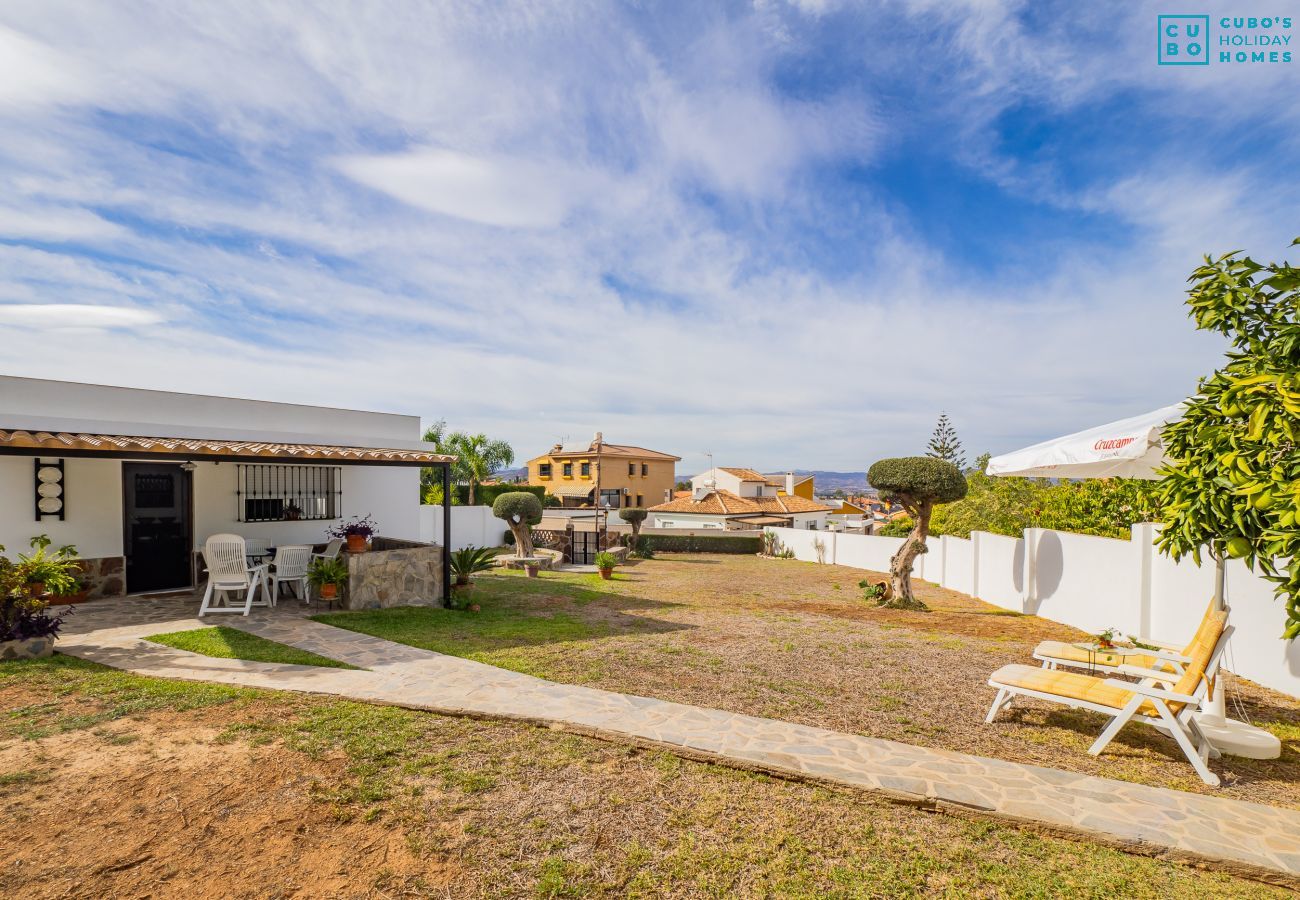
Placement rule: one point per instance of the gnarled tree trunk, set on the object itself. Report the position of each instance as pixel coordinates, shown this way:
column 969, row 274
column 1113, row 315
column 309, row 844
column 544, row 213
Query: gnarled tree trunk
column 523, row 539
column 900, row 566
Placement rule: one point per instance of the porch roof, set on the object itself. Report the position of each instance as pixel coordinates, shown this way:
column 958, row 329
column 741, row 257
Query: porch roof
column 133, row 446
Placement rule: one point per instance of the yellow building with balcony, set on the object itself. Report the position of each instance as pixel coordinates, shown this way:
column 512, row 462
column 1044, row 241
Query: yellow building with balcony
column 627, row 476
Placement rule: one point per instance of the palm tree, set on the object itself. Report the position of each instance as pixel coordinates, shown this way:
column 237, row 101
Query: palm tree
column 477, row 457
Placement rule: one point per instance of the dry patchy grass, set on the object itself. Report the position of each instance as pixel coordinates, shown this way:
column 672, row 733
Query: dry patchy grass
column 115, row 785
column 796, row 641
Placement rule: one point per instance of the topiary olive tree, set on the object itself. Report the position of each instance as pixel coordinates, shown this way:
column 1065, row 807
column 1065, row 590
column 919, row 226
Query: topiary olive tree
column 521, row 511
column 634, row 516
column 1232, row 483
column 919, row 483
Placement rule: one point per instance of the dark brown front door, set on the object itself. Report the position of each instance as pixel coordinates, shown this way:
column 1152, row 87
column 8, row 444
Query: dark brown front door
column 156, row 527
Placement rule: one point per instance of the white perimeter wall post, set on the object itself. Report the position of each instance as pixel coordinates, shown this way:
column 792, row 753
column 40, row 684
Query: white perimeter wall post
column 1029, row 579
column 975, row 564
column 1144, row 536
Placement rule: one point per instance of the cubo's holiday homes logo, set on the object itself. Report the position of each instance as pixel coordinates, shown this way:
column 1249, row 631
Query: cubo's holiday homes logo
column 1185, row 40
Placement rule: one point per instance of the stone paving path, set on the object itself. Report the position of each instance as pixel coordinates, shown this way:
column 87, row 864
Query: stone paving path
column 1249, row 838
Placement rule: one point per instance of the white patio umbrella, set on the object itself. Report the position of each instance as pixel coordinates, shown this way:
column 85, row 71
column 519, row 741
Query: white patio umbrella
column 1132, row 448
column 1129, row 448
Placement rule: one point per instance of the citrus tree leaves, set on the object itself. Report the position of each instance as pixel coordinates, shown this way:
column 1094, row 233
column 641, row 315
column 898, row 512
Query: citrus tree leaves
column 1232, row 483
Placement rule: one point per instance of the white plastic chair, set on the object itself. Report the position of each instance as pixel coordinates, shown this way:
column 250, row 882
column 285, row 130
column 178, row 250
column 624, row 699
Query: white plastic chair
column 257, row 548
column 229, row 572
column 331, row 550
column 290, row 567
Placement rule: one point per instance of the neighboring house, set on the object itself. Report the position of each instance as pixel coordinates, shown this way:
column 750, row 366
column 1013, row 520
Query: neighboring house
column 137, row 480
column 628, row 476
column 841, row 507
column 790, row 483
column 731, row 499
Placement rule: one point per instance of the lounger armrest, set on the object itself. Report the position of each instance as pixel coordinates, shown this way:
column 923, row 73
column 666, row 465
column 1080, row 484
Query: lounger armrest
column 1141, row 672
column 1147, row 690
column 1169, row 656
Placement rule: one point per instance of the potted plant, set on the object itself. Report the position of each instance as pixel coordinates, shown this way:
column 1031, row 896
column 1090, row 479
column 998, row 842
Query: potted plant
column 327, row 576
column 357, row 532
column 44, row 570
column 605, row 562
column 470, row 561
column 532, row 567
column 27, row 630
column 292, row 512
column 1106, row 639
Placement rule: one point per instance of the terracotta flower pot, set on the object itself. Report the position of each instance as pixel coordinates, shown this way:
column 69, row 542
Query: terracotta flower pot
column 357, row 543
column 474, row 607
column 329, row 591
column 35, row 588
column 532, row 571
column 607, row 574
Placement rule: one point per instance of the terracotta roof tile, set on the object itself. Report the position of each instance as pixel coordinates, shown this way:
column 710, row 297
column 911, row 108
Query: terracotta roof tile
column 725, row 503
column 743, row 474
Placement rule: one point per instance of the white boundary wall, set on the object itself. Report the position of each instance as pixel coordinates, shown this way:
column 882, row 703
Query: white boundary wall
column 470, row 526
column 1091, row 583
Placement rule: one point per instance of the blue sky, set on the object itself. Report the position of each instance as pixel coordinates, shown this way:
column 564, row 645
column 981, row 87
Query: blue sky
column 789, row 233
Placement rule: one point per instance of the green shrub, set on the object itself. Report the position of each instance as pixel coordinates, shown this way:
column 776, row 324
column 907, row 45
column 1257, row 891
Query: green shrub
column 606, row 560
column 486, row 494
column 901, row 527
column 699, row 543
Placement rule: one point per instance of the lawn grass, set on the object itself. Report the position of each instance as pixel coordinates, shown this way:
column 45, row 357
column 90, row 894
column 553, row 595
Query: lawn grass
column 793, row 640
column 77, row 695
column 496, row 636
column 417, row 804
column 231, row 643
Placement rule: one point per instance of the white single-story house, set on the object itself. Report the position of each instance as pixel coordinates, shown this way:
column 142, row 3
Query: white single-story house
column 734, row 499
column 137, row 480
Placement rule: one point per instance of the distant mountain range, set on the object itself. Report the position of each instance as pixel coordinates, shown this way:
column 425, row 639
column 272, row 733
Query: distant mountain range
column 825, row 482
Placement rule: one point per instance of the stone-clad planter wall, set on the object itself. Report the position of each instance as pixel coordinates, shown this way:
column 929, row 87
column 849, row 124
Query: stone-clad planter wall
column 104, row 577
column 394, row 573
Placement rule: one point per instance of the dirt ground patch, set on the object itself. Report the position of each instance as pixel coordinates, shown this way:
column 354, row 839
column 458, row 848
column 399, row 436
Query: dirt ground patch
column 117, row 786
column 796, row 641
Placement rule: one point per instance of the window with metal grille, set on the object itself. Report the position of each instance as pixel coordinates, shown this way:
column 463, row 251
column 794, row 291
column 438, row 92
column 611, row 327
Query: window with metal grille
column 271, row 493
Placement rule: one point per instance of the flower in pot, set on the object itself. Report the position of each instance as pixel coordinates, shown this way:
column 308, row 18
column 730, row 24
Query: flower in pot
column 357, row 532
column 327, row 576
column 470, row 561
column 605, row 562
column 532, row 567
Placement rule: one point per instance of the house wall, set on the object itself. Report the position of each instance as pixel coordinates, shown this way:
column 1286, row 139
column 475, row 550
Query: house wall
column 685, row 520
column 388, row 494
column 93, row 512
column 1091, row 583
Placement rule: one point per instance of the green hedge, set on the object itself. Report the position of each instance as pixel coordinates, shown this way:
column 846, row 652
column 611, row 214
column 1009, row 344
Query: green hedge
column 486, row 494
column 699, row 543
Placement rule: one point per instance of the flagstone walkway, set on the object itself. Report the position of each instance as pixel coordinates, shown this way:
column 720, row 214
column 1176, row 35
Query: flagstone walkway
column 1248, row 838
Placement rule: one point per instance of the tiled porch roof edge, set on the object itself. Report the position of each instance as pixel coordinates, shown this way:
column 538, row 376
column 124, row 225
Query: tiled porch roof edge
column 120, row 445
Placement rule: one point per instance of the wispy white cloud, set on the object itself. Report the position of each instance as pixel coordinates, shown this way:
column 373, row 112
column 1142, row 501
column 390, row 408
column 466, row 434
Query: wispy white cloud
column 541, row 221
